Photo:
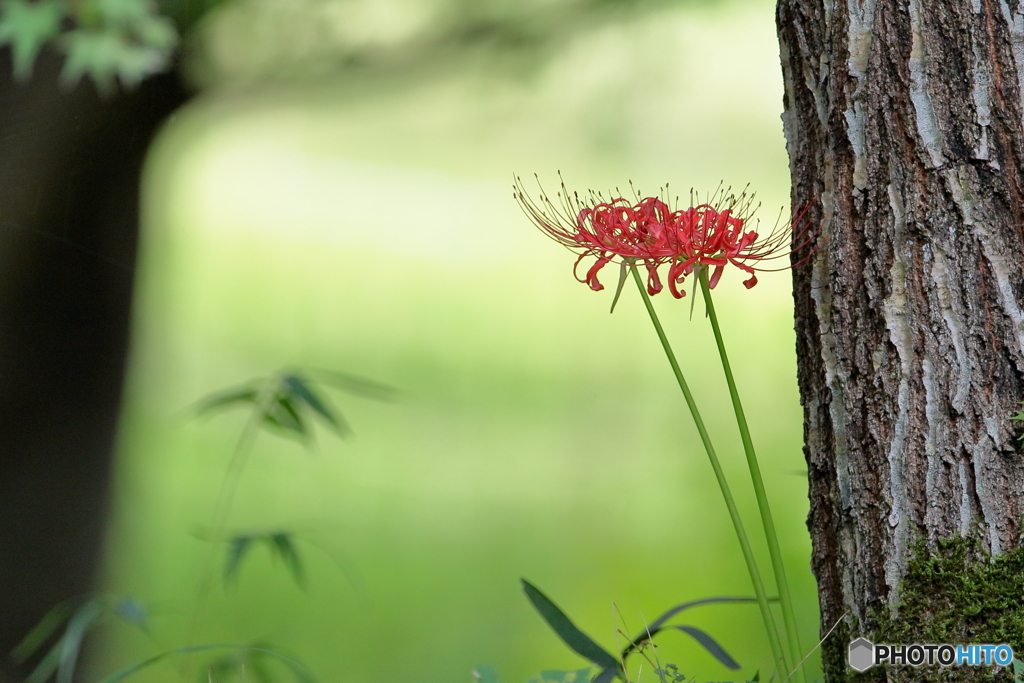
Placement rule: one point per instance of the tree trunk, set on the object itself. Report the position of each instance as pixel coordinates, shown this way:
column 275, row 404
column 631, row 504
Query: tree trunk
column 70, row 164
column 903, row 121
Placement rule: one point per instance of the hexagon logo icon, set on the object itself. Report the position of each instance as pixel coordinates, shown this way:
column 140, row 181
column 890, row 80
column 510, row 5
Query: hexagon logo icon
column 862, row 654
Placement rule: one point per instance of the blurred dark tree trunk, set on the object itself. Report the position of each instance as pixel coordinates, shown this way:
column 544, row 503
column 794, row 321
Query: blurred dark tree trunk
column 904, row 126
column 70, row 164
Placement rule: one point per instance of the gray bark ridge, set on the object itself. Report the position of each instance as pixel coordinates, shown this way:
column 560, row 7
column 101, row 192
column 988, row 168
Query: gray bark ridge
column 903, row 121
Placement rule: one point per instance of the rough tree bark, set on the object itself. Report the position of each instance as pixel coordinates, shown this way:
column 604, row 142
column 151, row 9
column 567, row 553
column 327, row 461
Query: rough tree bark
column 903, row 120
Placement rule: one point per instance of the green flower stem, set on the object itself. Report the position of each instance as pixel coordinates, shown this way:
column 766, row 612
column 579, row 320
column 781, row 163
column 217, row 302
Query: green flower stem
column 788, row 616
column 734, row 515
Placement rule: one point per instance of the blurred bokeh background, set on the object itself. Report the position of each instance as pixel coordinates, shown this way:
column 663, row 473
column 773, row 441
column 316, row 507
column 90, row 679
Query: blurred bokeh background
column 339, row 196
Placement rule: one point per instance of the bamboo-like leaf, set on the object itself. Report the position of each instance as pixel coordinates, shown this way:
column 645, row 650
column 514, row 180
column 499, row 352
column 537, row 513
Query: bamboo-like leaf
column 283, row 414
column 131, row 611
column 41, row 632
column 711, row 645
column 281, row 545
column 47, row 666
column 355, row 385
column 71, row 642
column 576, row 639
column 225, row 399
column 236, row 551
column 301, row 389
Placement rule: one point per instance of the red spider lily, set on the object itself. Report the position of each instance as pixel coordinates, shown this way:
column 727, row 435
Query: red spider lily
column 651, row 232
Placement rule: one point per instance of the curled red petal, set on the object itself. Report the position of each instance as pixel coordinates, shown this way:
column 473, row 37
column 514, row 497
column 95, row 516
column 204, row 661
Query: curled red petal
column 592, row 273
column 716, row 276
column 653, row 281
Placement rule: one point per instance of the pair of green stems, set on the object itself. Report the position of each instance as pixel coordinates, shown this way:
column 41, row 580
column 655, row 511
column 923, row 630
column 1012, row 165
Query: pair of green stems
column 782, row 658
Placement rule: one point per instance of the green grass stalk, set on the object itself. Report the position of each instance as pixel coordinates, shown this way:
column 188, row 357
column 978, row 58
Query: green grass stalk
column 741, row 535
column 785, row 598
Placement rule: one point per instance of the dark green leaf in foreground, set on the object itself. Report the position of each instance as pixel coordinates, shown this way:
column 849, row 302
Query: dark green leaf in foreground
column 567, row 631
column 709, row 644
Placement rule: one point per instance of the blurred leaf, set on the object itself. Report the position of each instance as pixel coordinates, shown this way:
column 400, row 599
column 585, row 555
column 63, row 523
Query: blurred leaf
column 71, row 642
column 47, row 667
column 576, row 639
column 560, row 676
column 709, row 644
column 236, row 550
column 485, row 673
column 357, row 386
column 108, row 56
column 284, row 398
column 225, row 399
column 26, row 26
column 670, row 674
column 300, row 389
column 607, row 676
column 299, row 672
column 41, row 632
column 281, row 544
column 242, row 665
column 283, row 414
column 132, row 612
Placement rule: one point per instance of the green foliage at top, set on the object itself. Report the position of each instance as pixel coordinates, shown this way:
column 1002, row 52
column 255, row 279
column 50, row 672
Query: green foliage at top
column 26, row 27
column 955, row 593
column 110, row 41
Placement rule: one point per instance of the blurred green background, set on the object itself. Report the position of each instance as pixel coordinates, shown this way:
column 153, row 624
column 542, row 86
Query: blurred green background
column 307, row 212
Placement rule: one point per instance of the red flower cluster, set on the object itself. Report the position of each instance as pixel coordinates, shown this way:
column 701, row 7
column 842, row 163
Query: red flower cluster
column 650, row 231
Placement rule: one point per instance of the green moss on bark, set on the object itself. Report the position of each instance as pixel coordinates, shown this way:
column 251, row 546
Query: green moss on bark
column 955, row 593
